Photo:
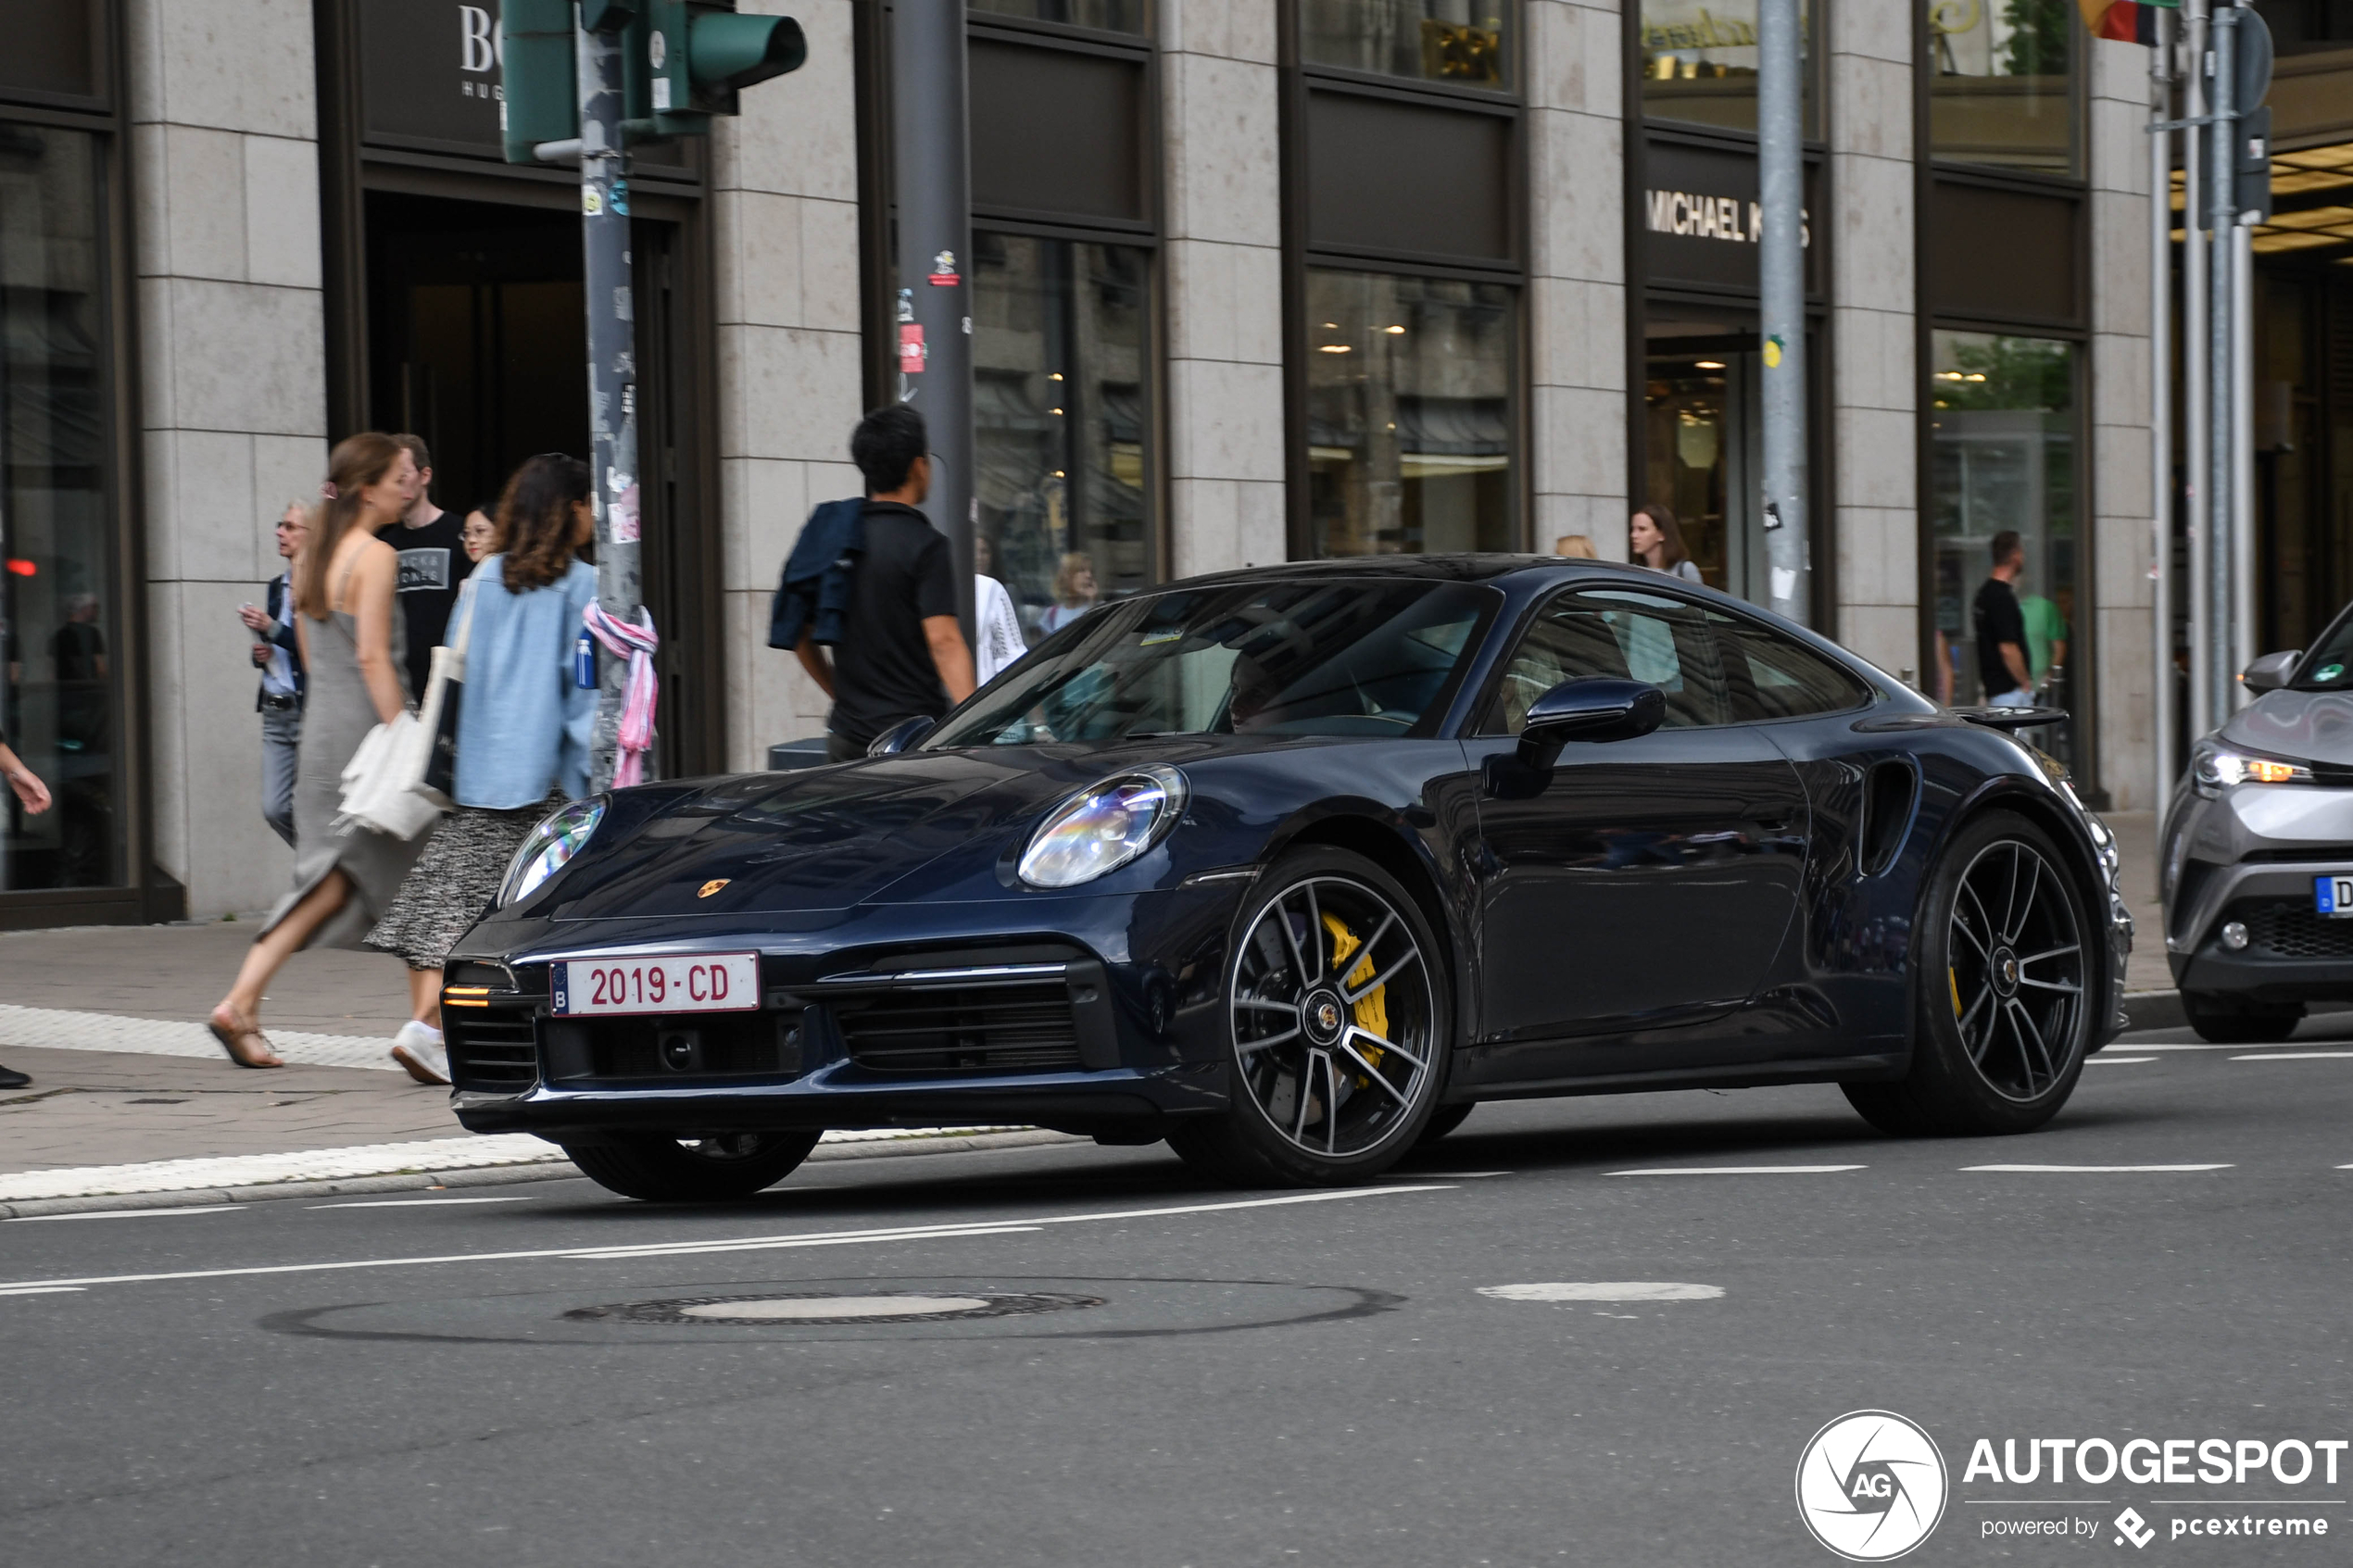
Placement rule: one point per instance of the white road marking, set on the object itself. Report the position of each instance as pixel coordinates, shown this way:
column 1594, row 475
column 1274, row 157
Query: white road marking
column 39, row 1290
column 1739, row 1171
column 1447, row 1175
column 1604, row 1290
column 415, row 1202
column 2293, row 1056
column 124, row 1214
column 2089, row 1170
column 697, row 1250
column 2115, row 1060
column 2136, row 1046
column 668, row 1249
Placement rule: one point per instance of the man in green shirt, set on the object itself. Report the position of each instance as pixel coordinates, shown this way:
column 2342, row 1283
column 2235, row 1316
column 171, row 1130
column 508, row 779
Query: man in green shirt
column 2045, row 636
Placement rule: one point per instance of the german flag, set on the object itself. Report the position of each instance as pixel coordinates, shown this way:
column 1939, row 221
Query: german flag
column 2127, row 21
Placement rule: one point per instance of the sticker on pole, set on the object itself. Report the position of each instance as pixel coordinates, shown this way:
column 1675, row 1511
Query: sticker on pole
column 592, row 201
column 910, row 347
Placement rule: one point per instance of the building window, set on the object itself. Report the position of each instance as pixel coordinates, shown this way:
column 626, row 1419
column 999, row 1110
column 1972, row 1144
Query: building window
column 1463, row 43
column 2002, row 83
column 2003, row 459
column 1061, row 421
column 59, row 631
column 1699, row 62
column 1410, row 445
column 1104, row 16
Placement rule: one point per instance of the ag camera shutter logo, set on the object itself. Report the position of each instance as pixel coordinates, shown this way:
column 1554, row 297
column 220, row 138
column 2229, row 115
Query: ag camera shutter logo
column 1871, row 1486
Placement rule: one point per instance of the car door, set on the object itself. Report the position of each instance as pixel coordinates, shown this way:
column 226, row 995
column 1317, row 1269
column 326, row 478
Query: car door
column 1646, row 882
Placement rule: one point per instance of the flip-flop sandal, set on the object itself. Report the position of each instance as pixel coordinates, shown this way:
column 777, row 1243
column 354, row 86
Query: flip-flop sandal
column 235, row 1042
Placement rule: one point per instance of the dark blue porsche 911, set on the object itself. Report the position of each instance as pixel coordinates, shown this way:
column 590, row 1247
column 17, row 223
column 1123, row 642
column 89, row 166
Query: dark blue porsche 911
column 1291, row 868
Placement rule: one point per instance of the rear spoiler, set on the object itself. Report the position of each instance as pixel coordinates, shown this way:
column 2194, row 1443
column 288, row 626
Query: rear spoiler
column 2011, row 718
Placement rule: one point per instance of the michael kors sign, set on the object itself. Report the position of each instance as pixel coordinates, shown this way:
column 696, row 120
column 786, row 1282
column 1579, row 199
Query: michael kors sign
column 1714, row 217
column 1701, row 220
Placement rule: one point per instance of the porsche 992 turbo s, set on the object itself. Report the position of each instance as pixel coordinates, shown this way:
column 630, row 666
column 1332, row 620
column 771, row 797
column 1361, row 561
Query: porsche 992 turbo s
column 1290, row 869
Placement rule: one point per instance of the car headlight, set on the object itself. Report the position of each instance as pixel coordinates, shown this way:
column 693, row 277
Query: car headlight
column 551, row 844
column 1103, row 826
column 2218, row 768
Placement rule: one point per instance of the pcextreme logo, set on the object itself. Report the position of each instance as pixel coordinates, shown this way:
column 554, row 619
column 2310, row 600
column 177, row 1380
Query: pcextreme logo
column 1871, row 1486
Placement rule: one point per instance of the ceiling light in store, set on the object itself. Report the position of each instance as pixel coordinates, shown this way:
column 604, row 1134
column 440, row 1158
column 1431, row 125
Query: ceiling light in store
column 1057, row 413
column 1974, row 375
column 1331, row 326
column 1053, row 375
column 1058, row 473
column 1710, row 364
column 1393, row 331
column 1334, row 349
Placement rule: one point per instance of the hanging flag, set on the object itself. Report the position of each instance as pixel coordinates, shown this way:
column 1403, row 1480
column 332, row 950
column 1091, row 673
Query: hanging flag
column 2127, row 21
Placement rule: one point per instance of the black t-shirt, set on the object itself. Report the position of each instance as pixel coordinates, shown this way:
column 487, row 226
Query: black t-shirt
column 432, row 562
column 883, row 671
column 1997, row 620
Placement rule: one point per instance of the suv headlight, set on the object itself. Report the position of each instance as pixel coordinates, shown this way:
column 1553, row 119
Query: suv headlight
column 1103, row 826
column 2217, row 768
column 550, row 846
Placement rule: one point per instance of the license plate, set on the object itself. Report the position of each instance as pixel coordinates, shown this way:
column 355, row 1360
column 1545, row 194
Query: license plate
column 2332, row 896
column 666, row 983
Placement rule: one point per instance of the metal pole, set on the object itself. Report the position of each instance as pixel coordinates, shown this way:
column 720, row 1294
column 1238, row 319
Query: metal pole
column 1781, row 294
column 612, row 372
column 2221, row 421
column 2161, row 406
column 2194, row 378
column 932, row 166
column 2243, row 648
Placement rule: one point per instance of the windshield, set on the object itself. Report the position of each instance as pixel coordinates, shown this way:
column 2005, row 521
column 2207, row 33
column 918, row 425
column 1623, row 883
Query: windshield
column 2329, row 667
column 1295, row 659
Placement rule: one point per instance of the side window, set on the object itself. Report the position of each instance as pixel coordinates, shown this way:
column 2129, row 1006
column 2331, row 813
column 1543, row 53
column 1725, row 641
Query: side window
column 1785, row 679
column 1618, row 632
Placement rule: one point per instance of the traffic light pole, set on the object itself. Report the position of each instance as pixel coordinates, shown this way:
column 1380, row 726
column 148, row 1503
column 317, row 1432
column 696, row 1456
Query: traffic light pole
column 2220, row 218
column 932, row 169
column 1782, row 293
column 612, row 372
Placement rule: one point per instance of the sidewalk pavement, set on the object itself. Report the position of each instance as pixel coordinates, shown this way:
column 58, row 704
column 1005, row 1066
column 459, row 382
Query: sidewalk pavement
column 132, row 1102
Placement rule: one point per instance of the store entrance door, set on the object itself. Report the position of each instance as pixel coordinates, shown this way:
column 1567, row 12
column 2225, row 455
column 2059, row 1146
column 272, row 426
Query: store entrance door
column 477, row 341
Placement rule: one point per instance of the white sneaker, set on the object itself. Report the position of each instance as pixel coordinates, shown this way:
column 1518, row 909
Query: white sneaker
column 418, row 1047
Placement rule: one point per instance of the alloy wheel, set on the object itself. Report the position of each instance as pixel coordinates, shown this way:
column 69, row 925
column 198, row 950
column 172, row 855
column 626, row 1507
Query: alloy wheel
column 1333, row 1019
column 2015, row 969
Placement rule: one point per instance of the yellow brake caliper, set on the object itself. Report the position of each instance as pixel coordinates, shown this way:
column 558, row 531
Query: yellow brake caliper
column 1372, row 1008
column 1952, row 978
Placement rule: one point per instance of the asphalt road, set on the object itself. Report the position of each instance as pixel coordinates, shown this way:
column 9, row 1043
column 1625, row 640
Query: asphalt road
column 1176, row 1375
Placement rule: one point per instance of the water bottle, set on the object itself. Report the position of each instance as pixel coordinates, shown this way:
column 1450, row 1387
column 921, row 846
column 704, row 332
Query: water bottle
column 584, row 662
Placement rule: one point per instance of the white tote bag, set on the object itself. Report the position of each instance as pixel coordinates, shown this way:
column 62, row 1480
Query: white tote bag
column 384, row 787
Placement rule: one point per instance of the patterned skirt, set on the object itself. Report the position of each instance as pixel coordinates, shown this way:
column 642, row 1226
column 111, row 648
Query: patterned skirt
column 453, row 881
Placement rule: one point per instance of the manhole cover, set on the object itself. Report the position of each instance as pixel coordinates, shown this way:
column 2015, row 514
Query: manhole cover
column 819, row 1308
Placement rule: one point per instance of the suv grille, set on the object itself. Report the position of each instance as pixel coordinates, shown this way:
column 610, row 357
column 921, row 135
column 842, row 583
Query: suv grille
column 492, row 1049
column 2294, row 931
column 1023, row 1028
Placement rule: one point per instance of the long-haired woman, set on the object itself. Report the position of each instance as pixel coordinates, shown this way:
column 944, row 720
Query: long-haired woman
column 344, row 582
column 1657, row 542
column 523, row 727
column 1075, row 591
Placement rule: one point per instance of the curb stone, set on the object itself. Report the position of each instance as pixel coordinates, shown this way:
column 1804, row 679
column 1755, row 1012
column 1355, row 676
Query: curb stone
column 554, row 1169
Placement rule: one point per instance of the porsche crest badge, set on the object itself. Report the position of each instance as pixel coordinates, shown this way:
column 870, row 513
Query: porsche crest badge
column 713, row 885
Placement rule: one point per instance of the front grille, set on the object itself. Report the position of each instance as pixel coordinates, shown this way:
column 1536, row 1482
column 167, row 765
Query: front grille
column 1020, row 1028
column 492, row 1049
column 2289, row 929
column 689, row 1048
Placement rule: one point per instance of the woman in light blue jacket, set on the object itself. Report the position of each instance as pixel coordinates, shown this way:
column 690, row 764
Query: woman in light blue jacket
column 523, row 725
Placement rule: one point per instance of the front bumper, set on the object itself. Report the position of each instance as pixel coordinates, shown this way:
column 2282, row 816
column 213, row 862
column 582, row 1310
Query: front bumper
column 1103, row 1017
column 2249, row 855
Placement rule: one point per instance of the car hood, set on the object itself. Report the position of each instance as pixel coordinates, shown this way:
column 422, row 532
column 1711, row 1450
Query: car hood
column 2305, row 726
column 917, row 825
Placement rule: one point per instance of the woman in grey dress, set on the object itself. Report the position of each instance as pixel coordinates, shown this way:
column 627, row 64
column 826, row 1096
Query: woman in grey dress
column 344, row 583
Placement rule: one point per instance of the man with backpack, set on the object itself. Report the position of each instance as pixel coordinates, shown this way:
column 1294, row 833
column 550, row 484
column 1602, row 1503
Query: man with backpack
column 876, row 583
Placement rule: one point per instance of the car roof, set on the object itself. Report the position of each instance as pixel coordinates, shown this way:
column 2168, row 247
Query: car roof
column 1484, row 567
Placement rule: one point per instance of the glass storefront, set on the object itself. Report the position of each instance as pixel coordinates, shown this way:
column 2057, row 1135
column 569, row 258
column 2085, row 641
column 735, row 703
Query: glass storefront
column 2002, row 83
column 1107, row 16
column 1699, row 62
column 1059, row 421
column 1410, row 424
column 2003, row 446
column 1701, row 437
column 1464, row 43
column 59, row 618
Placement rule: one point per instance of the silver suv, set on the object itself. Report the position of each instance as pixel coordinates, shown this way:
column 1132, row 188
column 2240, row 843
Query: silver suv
column 2257, row 867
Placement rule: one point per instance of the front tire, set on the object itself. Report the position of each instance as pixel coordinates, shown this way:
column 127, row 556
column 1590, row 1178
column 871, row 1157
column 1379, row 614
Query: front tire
column 1339, row 1025
column 719, row 1169
column 2227, row 1021
column 2003, row 1005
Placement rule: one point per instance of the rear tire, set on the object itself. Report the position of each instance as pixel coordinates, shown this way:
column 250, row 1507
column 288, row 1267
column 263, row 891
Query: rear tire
column 720, row 1169
column 2227, row 1021
column 1339, row 1025
column 2006, row 991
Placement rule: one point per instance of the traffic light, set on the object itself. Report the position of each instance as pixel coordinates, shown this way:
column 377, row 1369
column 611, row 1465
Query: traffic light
column 692, row 56
column 539, row 93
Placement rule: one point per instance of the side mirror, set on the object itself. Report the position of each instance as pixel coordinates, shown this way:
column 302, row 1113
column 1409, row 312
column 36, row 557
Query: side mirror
column 2270, row 672
column 1598, row 707
column 900, row 736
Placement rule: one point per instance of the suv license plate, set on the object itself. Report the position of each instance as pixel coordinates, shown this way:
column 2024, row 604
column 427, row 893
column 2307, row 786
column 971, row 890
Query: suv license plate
column 2332, row 896
column 665, row 983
